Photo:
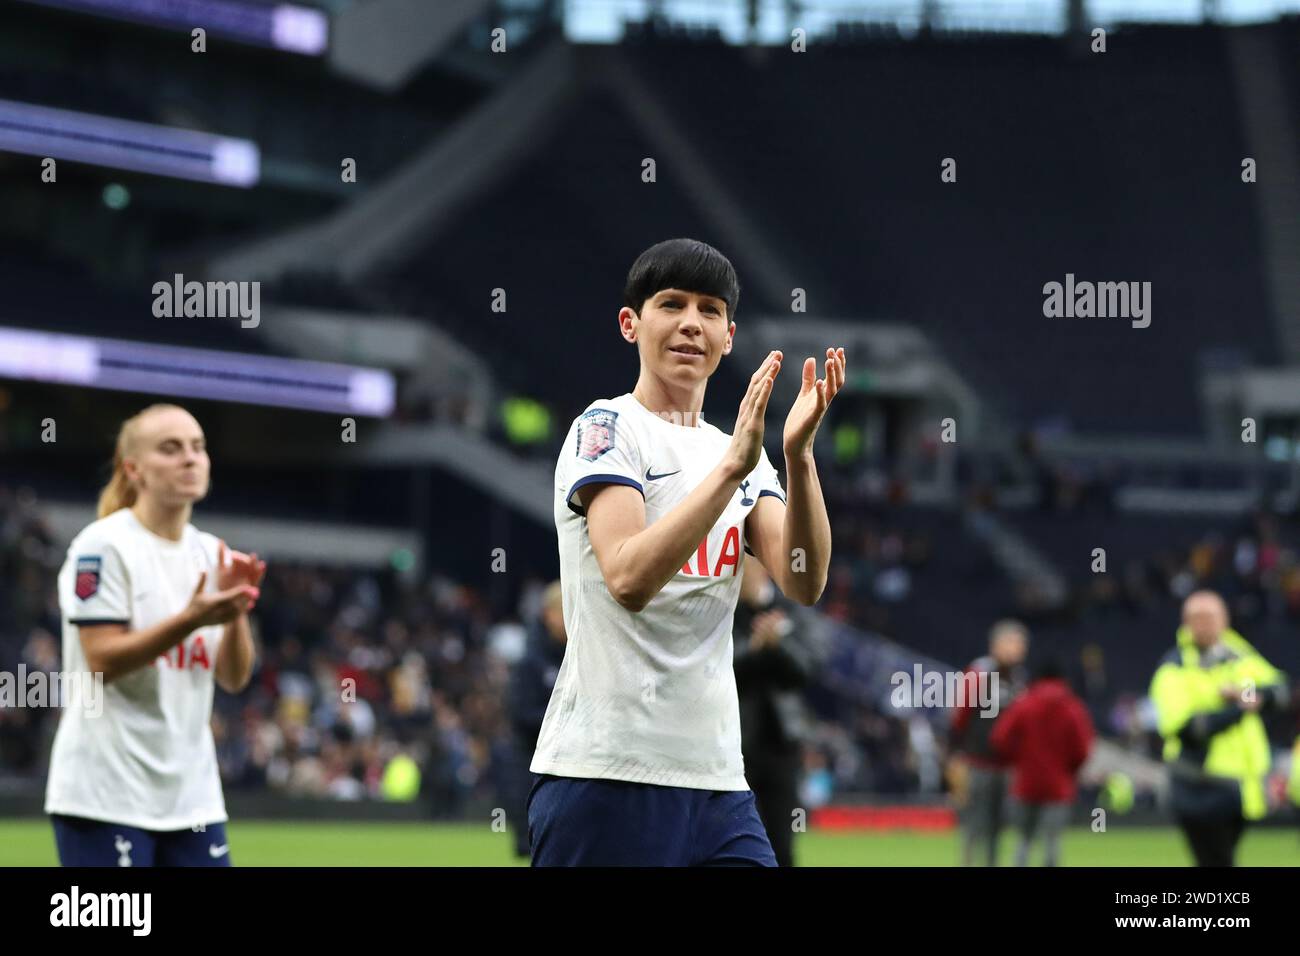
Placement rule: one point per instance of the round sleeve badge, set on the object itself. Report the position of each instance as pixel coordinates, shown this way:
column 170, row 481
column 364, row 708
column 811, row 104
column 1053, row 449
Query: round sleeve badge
column 87, row 583
column 596, row 433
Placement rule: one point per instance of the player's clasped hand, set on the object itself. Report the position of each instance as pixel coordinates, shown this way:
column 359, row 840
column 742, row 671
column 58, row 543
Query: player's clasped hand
column 220, row 607
column 238, row 576
column 747, row 439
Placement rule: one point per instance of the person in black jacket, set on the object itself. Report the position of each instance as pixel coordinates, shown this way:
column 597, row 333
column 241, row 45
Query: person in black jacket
column 779, row 647
column 531, row 681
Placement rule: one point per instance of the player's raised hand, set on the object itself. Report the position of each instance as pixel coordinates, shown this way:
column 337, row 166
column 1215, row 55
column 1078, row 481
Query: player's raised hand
column 809, row 408
column 747, row 440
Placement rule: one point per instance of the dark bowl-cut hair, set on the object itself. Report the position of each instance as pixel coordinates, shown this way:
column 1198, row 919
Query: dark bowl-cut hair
column 686, row 264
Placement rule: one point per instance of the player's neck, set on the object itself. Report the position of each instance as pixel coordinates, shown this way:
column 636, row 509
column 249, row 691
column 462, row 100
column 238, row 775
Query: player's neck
column 166, row 521
column 675, row 405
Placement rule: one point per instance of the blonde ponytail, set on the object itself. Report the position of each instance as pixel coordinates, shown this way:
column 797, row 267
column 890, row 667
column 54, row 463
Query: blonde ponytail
column 120, row 493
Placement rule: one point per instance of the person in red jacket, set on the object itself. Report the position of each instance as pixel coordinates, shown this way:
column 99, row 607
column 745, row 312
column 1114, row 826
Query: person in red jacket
column 1046, row 736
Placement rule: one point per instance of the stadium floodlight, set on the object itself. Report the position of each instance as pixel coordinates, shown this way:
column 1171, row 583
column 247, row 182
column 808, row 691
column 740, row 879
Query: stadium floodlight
column 125, row 144
column 281, row 26
column 195, row 373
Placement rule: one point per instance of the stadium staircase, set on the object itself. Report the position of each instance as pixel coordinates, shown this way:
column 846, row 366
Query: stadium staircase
column 388, row 220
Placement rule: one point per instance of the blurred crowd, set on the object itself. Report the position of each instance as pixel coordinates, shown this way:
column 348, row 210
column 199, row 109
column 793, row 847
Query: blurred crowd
column 1256, row 566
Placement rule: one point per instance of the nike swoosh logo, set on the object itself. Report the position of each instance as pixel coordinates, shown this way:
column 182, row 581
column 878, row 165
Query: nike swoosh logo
column 218, row 851
column 666, row 474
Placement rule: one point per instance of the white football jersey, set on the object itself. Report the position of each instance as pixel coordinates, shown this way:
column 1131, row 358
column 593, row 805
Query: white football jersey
column 648, row 697
column 148, row 759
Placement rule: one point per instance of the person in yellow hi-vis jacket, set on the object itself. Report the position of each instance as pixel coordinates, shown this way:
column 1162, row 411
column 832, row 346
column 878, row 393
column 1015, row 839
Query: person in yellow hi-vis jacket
column 1208, row 693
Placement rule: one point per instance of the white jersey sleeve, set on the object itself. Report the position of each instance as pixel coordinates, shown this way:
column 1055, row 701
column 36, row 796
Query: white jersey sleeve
column 763, row 480
column 766, row 480
column 603, row 449
column 99, row 589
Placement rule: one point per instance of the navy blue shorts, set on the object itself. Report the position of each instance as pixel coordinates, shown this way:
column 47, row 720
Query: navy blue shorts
column 582, row 822
column 84, row 842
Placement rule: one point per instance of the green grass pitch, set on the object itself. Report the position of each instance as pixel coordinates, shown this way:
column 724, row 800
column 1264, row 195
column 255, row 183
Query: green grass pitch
column 280, row 843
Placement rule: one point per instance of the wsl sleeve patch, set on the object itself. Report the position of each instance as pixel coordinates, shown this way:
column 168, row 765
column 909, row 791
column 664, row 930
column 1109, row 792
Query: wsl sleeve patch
column 596, row 433
column 87, row 577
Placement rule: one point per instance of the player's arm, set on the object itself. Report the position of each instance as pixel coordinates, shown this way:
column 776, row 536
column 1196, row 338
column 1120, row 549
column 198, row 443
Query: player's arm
column 234, row 667
column 793, row 540
column 636, row 561
column 114, row 650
